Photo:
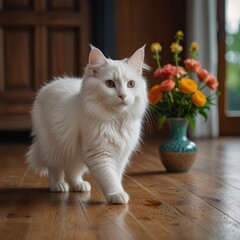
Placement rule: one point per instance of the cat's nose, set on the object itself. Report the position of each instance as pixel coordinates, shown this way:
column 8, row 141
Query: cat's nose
column 122, row 96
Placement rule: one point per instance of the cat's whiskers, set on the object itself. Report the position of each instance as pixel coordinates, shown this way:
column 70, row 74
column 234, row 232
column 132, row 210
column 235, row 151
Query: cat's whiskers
column 151, row 117
column 148, row 120
column 154, row 113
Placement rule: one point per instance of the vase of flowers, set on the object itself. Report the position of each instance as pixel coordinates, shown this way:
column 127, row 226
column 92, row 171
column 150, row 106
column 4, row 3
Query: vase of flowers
column 177, row 99
column 178, row 153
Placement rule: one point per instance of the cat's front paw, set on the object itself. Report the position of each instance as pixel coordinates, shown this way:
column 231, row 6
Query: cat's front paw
column 118, row 198
column 59, row 187
column 82, row 186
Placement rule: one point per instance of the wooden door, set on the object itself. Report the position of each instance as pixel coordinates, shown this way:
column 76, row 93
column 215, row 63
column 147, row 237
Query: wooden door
column 39, row 39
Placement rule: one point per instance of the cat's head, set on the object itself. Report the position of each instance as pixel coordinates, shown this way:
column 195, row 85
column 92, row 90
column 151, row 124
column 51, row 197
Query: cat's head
column 116, row 86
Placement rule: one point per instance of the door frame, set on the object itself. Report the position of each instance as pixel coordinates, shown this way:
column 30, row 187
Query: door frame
column 228, row 125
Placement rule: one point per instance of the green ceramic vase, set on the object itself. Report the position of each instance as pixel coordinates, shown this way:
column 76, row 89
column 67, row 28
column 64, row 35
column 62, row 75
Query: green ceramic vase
column 178, row 153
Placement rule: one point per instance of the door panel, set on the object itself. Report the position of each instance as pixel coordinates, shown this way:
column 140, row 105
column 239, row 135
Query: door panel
column 62, row 55
column 63, row 5
column 17, row 5
column 39, row 39
column 18, row 57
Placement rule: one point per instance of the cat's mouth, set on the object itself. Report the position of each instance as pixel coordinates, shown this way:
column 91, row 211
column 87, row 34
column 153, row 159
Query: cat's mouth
column 124, row 103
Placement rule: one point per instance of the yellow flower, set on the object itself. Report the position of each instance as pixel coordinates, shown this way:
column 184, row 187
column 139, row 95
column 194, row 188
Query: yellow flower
column 179, row 35
column 187, row 86
column 176, row 48
column 155, row 94
column 198, row 99
column 156, row 47
column 194, row 46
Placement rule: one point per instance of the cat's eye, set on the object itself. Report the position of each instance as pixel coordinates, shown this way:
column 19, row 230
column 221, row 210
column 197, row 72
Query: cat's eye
column 131, row 84
column 110, row 84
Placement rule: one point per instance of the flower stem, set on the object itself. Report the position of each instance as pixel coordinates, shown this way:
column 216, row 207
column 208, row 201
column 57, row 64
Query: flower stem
column 201, row 87
column 176, row 54
column 157, row 57
column 176, row 58
column 171, row 97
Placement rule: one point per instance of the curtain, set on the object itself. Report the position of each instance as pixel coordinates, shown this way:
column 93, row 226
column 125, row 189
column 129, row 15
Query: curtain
column 201, row 22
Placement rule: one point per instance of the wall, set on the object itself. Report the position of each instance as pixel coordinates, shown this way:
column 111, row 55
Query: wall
column 140, row 22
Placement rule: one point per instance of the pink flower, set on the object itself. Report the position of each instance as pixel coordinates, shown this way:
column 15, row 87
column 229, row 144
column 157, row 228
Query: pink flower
column 157, row 73
column 192, row 64
column 168, row 71
column 167, row 85
column 180, row 71
column 203, row 75
column 212, row 82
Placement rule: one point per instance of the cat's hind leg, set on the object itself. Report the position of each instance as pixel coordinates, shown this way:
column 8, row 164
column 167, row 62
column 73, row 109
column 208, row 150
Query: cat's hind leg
column 75, row 180
column 79, row 185
column 56, row 181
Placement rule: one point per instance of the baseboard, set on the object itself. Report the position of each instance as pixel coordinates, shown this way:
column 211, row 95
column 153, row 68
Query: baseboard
column 15, row 137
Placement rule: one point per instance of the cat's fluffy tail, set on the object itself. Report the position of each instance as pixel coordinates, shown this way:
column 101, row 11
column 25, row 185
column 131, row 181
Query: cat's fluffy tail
column 34, row 160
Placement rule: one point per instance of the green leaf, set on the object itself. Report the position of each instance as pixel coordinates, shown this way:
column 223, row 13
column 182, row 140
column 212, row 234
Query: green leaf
column 162, row 119
column 204, row 114
column 191, row 120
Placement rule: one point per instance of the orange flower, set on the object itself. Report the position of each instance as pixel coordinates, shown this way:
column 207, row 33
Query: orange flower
column 155, row 94
column 187, row 86
column 198, row 99
column 167, row 85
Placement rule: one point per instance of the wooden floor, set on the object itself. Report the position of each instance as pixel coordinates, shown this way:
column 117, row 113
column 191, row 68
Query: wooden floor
column 201, row 204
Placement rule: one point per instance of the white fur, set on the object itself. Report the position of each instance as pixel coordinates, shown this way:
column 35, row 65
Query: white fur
column 81, row 124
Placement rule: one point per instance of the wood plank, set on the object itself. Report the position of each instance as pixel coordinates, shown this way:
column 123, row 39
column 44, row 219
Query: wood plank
column 217, row 194
column 199, row 190
column 193, row 205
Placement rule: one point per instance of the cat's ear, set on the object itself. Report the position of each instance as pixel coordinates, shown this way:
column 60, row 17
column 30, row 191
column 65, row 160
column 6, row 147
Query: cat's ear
column 136, row 60
column 95, row 60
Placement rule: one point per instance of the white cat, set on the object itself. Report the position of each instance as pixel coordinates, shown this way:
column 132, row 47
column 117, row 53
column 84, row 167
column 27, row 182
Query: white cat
column 90, row 123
